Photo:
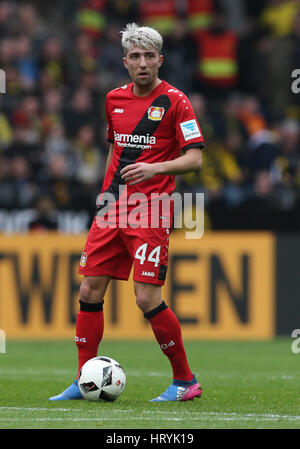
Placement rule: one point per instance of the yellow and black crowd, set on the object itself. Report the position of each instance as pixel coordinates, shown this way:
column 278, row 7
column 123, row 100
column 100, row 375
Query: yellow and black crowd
column 233, row 58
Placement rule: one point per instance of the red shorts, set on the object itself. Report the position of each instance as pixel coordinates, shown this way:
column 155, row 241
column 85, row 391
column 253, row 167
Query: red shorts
column 113, row 251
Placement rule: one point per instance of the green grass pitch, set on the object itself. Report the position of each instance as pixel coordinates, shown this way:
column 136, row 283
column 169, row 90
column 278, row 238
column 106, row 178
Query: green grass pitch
column 245, row 385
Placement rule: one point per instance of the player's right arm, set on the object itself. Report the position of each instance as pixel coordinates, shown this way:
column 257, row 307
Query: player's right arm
column 109, row 157
column 110, row 133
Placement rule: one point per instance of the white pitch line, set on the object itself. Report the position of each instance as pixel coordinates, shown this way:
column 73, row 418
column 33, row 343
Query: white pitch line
column 133, row 418
column 60, row 409
column 227, row 416
column 36, row 409
column 257, row 415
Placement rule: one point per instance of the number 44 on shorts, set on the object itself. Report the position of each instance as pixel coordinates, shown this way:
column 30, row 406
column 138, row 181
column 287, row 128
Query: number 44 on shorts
column 153, row 256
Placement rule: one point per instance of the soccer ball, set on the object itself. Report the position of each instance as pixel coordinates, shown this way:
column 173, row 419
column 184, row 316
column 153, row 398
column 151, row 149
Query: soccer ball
column 101, row 378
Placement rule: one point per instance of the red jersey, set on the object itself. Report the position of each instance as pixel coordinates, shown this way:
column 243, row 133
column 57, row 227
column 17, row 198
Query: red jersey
column 150, row 129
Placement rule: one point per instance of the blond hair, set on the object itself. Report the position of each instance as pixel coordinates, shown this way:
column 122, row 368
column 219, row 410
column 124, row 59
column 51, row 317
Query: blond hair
column 142, row 37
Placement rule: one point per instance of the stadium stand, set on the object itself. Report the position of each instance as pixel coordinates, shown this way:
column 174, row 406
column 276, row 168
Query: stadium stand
column 61, row 57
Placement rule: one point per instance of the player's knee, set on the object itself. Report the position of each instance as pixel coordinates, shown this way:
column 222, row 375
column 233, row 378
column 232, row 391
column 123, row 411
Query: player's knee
column 85, row 291
column 142, row 302
column 88, row 292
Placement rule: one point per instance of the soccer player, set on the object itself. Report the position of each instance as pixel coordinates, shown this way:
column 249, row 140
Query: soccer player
column 154, row 135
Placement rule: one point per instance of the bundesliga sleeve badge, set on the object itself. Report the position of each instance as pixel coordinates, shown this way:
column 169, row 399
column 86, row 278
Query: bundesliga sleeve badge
column 155, row 113
column 190, row 129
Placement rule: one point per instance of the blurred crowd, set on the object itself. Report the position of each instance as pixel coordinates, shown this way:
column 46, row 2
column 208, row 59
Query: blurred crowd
column 234, row 59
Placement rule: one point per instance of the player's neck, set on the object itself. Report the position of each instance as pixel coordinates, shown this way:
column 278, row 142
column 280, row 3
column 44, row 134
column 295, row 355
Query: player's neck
column 144, row 91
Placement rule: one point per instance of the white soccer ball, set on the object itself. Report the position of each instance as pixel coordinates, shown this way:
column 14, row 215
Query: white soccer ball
column 101, row 378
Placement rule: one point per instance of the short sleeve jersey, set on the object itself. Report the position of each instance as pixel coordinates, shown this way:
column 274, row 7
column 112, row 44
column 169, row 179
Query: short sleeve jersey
column 150, row 129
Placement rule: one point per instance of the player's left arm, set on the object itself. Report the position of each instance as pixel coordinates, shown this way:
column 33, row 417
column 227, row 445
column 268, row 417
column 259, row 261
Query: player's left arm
column 141, row 171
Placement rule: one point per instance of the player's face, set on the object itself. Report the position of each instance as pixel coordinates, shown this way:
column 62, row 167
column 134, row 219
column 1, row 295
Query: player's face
column 142, row 65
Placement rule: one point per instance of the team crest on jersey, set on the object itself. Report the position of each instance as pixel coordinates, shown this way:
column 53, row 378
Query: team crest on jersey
column 155, row 113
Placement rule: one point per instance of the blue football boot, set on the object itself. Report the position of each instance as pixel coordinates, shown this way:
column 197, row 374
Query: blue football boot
column 72, row 392
column 180, row 391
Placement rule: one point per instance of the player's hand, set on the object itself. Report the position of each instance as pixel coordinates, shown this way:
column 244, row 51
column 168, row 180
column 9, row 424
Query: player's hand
column 139, row 172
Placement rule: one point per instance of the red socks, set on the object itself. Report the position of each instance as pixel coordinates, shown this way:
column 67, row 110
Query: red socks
column 167, row 331
column 165, row 326
column 89, row 331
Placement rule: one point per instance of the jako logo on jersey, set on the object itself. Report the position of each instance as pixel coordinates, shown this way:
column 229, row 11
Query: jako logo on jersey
column 134, row 138
column 148, row 273
column 166, row 346
column 190, row 129
column 155, row 113
column 119, row 110
column 83, row 259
